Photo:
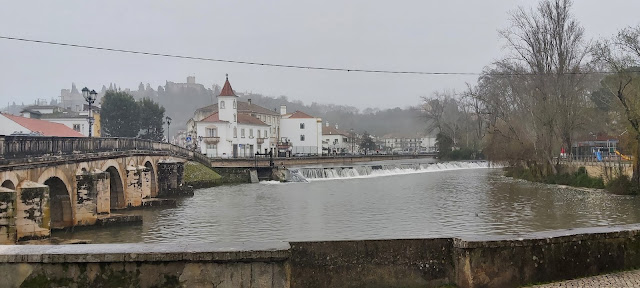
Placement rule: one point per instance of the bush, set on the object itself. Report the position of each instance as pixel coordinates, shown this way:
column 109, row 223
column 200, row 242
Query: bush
column 578, row 179
column 622, row 185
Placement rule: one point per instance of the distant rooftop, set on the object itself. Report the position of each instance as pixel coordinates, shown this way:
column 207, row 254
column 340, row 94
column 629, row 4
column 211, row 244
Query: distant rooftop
column 43, row 127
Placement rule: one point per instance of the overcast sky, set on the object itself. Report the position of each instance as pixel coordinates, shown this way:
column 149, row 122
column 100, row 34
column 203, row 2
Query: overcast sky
column 438, row 36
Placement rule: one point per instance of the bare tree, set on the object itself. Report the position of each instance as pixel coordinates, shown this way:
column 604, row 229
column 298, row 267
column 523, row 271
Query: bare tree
column 621, row 54
column 548, row 49
column 445, row 114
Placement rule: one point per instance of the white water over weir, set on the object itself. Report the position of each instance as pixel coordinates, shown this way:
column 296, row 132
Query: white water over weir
column 367, row 171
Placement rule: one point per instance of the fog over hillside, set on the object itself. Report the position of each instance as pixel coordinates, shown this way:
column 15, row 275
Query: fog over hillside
column 182, row 99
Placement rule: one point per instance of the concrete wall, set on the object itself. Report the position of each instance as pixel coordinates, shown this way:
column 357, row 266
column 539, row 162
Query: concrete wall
column 139, row 265
column 376, row 263
column 359, row 263
column 233, row 175
column 605, row 170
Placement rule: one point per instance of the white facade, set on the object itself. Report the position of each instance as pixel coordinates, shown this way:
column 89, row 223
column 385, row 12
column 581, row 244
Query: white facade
column 229, row 134
column 408, row 143
column 227, row 109
column 304, row 132
column 228, row 140
column 335, row 141
column 78, row 124
column 428, row 144
column 8, row 127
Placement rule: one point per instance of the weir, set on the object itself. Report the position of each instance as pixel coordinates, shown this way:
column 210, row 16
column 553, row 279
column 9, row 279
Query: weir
column 365, row 171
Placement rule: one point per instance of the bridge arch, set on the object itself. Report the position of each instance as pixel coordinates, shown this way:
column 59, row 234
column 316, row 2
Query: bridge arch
column 10, row 180
column 116, row 185
column 60, row 197
column 8, row 184
column 151, row 166
column 60, row 207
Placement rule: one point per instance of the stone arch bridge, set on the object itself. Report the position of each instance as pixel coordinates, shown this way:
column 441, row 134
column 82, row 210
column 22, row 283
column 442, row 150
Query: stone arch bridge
column 55, row 182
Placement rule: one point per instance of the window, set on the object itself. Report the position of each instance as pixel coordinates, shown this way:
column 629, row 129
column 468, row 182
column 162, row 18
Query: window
column 242, row 132
column 76, row 127
column 301, row 125
column 235, row 132
column 259, row 133
column 301, row 137
column 234, row 118
column 234, row 104
column 250, row 133
column 335, row 141
column 221, row 104
column 212, row 132
column 211, row 146
column 265, row 133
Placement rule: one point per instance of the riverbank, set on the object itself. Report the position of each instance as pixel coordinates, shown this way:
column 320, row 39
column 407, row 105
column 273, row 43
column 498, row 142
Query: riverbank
column 200, row 176
column 579, row 178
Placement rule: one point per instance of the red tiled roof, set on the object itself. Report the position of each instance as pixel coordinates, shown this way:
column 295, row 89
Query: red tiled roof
column 331, row 130
column 300, row 114
column 215, row 117
column 242, row 119
column 248, row 119
column 226, row 89
column 43, row 127
column 243, row 107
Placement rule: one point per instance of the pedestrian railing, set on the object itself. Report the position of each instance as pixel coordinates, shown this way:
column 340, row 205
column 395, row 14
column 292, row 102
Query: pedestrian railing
column 22, row 147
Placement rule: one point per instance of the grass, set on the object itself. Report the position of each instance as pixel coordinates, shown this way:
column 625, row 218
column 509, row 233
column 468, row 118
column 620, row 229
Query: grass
column 199, row 176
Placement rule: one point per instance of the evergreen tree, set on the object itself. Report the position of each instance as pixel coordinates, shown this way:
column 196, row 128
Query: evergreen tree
column 120, row 115
column 367, row 142
column 151, row 120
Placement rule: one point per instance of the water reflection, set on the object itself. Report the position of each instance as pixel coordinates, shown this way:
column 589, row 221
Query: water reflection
column 477, row 202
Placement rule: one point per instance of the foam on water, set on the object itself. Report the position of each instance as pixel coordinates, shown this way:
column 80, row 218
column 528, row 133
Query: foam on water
column 370, row 171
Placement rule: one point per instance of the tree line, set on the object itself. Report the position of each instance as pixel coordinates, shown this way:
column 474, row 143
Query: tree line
column 552, row 87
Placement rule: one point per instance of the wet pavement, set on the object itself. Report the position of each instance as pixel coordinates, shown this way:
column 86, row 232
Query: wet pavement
column 620, row 279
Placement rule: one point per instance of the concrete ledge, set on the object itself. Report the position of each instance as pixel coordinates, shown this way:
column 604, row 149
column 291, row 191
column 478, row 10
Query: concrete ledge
column 470, row 262
column 96, row 253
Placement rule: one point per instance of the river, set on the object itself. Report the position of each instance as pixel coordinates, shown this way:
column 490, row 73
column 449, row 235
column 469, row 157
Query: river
column 387, row 200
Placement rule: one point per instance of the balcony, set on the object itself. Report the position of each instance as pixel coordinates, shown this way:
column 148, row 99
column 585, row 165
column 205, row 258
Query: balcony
column 211, row 140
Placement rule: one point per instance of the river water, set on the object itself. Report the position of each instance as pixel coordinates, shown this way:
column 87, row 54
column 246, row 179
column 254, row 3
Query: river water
column 386, row 200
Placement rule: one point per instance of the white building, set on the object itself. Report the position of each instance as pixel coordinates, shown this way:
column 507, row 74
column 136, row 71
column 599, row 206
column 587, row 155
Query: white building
column 302, row 130
column 229, row 133
column 335, row 141
column 403, row 143
column 77, row 121
column 428, row 144
column 267, row 116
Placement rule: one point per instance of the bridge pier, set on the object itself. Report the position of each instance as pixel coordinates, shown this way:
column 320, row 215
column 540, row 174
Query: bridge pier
column 92, row 197
column 33, row 219
column 7, row 216
column 133, row 187
column 171, row 179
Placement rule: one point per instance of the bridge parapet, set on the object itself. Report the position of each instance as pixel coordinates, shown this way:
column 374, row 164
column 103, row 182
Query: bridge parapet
column 22, row 147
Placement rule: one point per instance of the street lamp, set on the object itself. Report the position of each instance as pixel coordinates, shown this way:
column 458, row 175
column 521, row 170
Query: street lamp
column 168, row 119
column 353, row 140
column 90, row 97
